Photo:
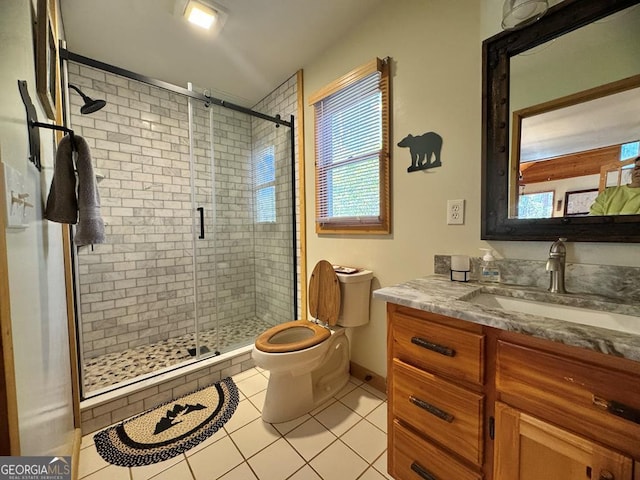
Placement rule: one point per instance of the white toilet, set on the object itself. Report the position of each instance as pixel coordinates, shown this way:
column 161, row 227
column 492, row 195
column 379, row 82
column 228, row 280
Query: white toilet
column 308, row 362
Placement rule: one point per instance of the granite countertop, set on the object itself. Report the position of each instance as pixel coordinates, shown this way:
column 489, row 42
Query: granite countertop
column 438, row 294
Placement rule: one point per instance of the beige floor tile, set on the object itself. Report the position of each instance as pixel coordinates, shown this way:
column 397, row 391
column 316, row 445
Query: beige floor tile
column 349, row 387
column 179, row 471
column 338, row 418
column 252, row 385
column 305, row 473
column 366, row 440
column 276, row 462
column 90, row 461
column 310, row 438
column 148, row 471
column 215, row 460
column 286, row 427
column 361, row 401
column 241, row 472
column 258, row 399
column 112, row 472
column 205, row 443
column 323, row 405
column 381, row 465
column 254, row 436
column 244, row 375
column 371, row 474
column 338, row 462
column 379, row 417
column 87, row 440
column 244, row 414
column 375, row 391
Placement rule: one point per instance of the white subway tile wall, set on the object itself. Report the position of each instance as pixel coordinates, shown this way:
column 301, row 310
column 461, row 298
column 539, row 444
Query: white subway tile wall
column 138, row 288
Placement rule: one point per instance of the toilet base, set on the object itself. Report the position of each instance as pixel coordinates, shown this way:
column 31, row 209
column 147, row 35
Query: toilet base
column 290, row 396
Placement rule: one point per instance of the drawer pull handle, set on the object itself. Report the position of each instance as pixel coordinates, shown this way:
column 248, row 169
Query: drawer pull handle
column 606, row 475
column 618, row 409
column 421, row 342
column 433, row 410
column 422, row 472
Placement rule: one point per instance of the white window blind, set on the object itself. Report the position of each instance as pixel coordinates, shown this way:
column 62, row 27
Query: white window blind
column 349, row 147
column 264, row 181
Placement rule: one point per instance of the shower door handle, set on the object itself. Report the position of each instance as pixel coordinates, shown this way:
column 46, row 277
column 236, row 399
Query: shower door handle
column 201, row 210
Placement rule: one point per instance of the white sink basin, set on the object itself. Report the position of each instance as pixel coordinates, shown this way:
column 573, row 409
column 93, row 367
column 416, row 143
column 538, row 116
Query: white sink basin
column 584, row 316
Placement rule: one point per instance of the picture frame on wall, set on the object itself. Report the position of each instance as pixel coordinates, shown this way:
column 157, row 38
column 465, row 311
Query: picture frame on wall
column 578, row 202
column 46, row 59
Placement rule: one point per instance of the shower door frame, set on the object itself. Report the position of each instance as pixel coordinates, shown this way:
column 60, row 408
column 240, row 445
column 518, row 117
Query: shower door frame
column 74, row 333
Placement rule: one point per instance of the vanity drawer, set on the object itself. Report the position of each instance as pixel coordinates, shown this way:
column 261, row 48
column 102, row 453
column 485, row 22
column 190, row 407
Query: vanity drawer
column 449, row 414
column 451, row 352
column 413, row 456
column 572, row 393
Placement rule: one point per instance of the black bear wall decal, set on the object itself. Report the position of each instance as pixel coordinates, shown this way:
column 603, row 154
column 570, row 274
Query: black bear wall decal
column 422, row 147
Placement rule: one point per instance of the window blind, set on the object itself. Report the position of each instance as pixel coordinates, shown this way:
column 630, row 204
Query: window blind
column 264, row 180
column 349, row 143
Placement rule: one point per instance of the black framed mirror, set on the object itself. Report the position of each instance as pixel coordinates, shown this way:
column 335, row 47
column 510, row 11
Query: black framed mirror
column 501, row 172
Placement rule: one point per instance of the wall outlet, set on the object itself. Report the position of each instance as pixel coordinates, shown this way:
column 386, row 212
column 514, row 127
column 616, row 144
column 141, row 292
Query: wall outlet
column 17, row 199
column 455, row 212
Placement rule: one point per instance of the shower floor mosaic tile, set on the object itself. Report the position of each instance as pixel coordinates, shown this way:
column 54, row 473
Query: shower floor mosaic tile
column 107, row 370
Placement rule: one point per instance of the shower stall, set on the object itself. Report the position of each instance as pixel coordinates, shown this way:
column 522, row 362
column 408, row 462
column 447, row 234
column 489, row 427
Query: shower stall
column 198, row 201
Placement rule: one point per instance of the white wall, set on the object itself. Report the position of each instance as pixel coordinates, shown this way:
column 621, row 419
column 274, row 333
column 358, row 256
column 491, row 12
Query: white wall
column 36, row 275
column 436, row 86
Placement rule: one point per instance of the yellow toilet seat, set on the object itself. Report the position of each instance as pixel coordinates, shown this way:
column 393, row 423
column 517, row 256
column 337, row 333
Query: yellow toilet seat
column 324, row 304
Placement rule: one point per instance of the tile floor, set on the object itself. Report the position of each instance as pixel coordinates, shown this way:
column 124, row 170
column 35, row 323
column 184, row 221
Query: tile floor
column 344, row 439
column 111, row 368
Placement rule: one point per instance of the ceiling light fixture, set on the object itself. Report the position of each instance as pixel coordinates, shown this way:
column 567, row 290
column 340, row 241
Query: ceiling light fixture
column 200, row 14
column 518, row 13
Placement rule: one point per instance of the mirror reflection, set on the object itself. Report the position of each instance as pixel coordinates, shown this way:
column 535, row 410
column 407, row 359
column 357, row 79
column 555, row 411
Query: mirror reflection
column 575, row 129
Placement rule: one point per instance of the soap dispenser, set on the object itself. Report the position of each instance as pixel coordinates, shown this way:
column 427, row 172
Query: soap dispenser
column 489, row 272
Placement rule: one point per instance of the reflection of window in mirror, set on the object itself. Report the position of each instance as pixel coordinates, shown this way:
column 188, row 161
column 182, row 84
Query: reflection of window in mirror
column 622, row 198
column 630, row 150
column 535, row 205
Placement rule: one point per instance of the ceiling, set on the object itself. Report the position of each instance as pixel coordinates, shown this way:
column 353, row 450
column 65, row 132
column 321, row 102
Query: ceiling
column 261, row 44
column 598, row 123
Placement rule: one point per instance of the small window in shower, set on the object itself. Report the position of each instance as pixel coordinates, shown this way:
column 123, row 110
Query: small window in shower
column 265, row 185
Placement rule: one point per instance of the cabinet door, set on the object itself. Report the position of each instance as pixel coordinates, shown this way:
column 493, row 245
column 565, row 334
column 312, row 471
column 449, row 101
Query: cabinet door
column 527, row 448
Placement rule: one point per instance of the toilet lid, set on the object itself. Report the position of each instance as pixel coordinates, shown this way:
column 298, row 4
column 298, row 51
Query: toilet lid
column 324, row 293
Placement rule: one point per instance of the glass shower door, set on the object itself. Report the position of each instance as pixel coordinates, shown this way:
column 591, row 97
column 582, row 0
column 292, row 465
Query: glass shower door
column 243, row 204
column 135, row 293
column 203, row 152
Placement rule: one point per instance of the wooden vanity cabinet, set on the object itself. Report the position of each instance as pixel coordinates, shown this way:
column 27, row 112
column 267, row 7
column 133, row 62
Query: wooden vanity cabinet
column 528, row 448
column 436, row 397
column 473, row 402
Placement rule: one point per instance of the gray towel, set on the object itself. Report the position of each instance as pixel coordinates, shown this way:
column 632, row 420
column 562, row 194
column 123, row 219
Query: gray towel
column 62, row 205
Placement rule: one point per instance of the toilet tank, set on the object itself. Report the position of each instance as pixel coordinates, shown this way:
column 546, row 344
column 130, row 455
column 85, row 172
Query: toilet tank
column 355, row 296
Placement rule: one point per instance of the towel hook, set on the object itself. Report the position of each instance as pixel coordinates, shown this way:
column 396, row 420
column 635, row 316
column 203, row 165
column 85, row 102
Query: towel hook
column 33, row 125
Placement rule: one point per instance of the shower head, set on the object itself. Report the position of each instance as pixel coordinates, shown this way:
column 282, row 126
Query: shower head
column 90, row 105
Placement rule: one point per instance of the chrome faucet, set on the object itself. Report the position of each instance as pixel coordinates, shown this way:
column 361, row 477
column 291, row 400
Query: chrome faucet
column 555, row 266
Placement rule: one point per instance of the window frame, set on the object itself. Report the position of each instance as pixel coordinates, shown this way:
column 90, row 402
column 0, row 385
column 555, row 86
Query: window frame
column 353, row 225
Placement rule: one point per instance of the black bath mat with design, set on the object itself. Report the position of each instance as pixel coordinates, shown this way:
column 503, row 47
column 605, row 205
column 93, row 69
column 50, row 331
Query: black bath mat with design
column 170, row 429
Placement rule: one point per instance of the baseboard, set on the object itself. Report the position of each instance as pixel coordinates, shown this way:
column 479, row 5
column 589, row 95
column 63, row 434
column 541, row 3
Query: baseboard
column 75, row 453
column 376, row 381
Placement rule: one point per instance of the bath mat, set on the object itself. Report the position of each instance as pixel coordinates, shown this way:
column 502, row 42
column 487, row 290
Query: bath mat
column 170, row 429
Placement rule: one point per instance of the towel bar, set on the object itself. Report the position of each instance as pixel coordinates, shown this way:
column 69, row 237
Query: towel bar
column 33, row 125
